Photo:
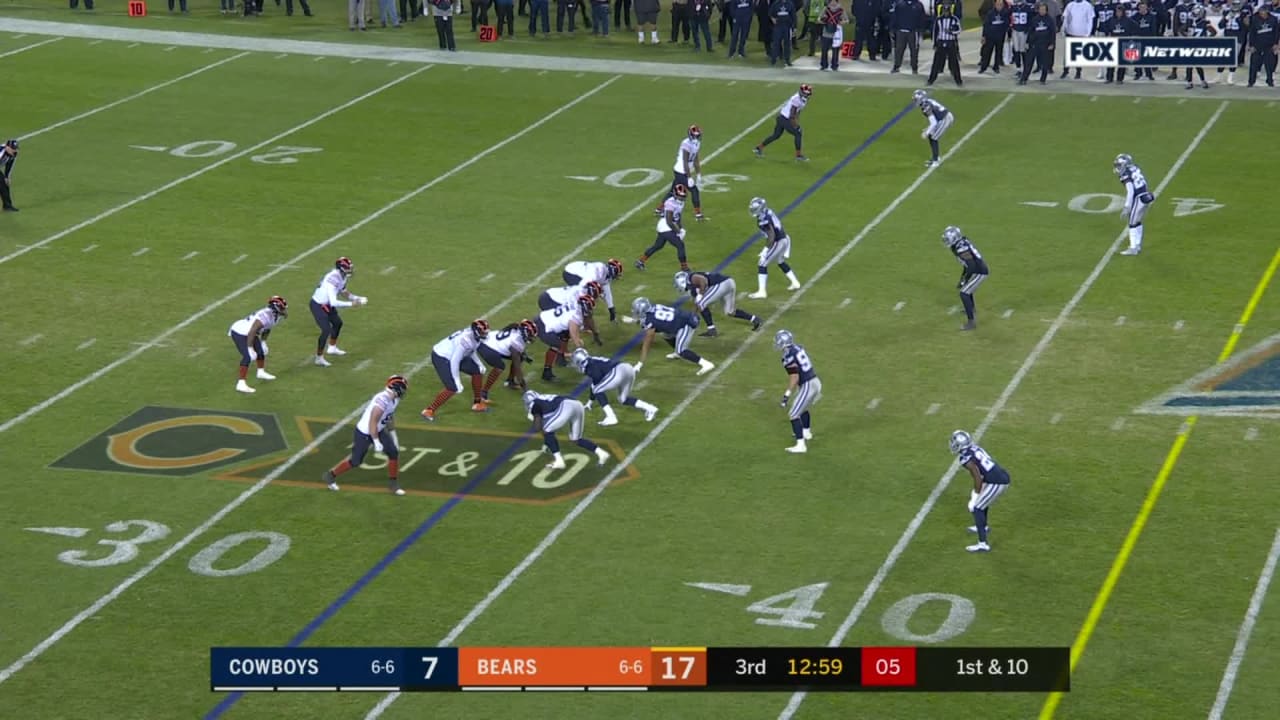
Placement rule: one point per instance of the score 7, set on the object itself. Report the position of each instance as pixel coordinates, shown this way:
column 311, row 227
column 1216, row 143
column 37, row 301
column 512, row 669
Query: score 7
column 430, row 661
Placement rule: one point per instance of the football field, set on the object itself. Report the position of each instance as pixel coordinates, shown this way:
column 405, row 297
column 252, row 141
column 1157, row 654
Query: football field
column 152, row 512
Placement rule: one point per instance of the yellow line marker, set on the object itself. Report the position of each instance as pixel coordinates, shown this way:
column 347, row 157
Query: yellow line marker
column 1140, row 522
column 678, row 649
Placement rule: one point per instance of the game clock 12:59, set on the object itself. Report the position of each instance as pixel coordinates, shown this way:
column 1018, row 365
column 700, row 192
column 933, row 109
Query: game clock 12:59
column 815, row 667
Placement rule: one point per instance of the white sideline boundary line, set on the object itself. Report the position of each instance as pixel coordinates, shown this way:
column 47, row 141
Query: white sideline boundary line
column 244, row 497
column 211, row 166
column 1032, row 358
column 130, row 98
column 586, row 502
column 1246, row 630
column 32, row 46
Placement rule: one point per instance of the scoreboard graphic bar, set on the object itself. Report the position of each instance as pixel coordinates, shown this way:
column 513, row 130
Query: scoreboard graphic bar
column 639, row 669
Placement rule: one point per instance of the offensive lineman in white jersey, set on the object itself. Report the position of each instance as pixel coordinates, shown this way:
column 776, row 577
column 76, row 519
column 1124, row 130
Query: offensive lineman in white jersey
column 688, row 171
column 575, row 273
column 376, row 428
column 249, row 334
column 560, row 326
column 777, row 248
column 507, row 345
column 788, row 121
column 325, row 302
column 1137, row 199
column 453, row 356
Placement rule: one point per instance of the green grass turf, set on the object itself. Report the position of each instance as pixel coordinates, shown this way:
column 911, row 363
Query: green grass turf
column 714, row 498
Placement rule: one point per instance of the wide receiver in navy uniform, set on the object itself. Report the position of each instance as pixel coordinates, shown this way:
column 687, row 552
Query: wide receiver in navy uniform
column 377, row 429
column 989, row 482
column 803, row 383
column 550, row 413
column 708, row 288
column 1137, row 199
column 974, row 272
column 675, row 324
column 940, row 119
column 608, row 374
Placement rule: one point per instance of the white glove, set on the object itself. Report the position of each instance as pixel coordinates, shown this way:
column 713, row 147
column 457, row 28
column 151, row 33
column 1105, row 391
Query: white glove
column 924, row 134
column 695, row 181
column 682, row 233
column 638, row 365
column 973, row 499
column 253, row 354
column 360, row 300
column 530, row 416
column 263, row 343
column 586, row 405
column 377, row 445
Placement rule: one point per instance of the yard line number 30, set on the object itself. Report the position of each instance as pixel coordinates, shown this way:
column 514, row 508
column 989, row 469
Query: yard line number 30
column 124, row 550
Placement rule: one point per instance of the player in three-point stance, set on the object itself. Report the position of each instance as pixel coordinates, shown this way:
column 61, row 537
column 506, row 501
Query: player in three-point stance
column 454, row 355
column 777, row 248
column 670, row 229
column 675, row 324
column 249, row 334
column 688, row 171
column 940, row 119
column 575, row 273
column 376, row 428
column 989, row 482
column 974, row 272
column 553, row 298
column 507, row 346
column 550, row 413
column 788, row 121
column 560, row 326
column 325, row 302
column 803, row 383
column 608, row 374
column 707, row 288
column 1137, row 199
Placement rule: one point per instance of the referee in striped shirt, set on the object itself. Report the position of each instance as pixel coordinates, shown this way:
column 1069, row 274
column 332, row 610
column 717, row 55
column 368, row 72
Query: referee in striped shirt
column 946, row 41
column 8, row 156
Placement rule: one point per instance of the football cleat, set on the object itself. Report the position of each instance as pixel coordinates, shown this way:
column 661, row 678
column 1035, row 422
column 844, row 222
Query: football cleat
column 1131, row 251
column 641, row 307
column 971, row 325
column 395, row 488
column 398, row 384
column 330, row 480
column 705, row 366
column 755, row 323
column 335, row 350
column 321, row 362
column 345, row 266
column 960, row 441
column 558, row 463
column 650, row 414
column 580, row 359
column 612, row 420
column 673, row 356
column 695, row 132
column 278, row 306
column 712, row 332
column 759, row 153
column 480, row 328
column 547, row 375
column 807, row 434
column 799, row 447
column 783, row 339
column 429, row 415
column 681, row 281
column 639, row 264
column 602, row 455
column 528, row 330
column 980, row 547
column 264, row 375
column 615, row 268
column 759, row 295
column 480, row 407
column 242, row 386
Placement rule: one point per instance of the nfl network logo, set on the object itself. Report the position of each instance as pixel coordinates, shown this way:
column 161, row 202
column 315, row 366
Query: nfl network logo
column 1092, row 52
column 1131, row 51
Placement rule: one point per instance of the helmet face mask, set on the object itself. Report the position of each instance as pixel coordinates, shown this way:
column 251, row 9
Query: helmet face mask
column 615, row 268
column 529, row 397
column 783, row 339
column 345, row 266
column 951, row 235
column 960, row 441
column 681, row 281
column 480, row 329
column 528, row 330
column 278, row 305
column 641, row 307
column 758, row 206
column 919, row 96
column 398, row 385
column 680, row 191
column 580, row 358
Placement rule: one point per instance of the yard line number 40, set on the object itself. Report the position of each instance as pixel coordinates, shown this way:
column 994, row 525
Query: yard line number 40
column 121, row 550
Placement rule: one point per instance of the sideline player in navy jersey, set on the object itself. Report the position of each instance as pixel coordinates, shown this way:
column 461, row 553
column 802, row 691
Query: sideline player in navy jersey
column 709, row 287
column 377, row 429
column 788, row 121
column 777, row 247
column 803, row 382
column 1198, row 27
column 1137, row 199
column 940, row 119
column 608, row 374
column 975, row 270
column 249, row 334
column 989, row 482
column 325, row 301
column 675, row 324
column 507, row 345
column 550, row 413
column 670, row 229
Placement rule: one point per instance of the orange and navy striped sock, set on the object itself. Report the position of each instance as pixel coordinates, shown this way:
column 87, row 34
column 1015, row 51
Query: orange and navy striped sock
column 441, row 399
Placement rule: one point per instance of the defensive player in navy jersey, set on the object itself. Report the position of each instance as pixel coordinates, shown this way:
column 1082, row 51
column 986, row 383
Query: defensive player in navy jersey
column 776, row 250
column 802, row 383
column 974, row 272
column 989, row 482
column 940, row 119
column 608, row 374
column 708, row 288
column 1137, row 199
column 675, row 324
column 550, row 413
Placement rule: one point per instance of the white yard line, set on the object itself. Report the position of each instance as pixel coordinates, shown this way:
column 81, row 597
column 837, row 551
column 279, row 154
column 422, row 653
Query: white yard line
column 1246, row 630
column 244, row 497
column 32, row 46
column 1032, row 358
column 670, row 417
column 216, row 304
column 212, row 166
column 130, row 98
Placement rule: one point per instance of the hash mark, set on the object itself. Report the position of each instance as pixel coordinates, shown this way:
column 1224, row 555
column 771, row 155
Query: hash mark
column 849, row 89
column 504, row 70
column 282, row 56
column 353, row 62
column 487, row 278
column 1251, row 434
column 953, row 310
column 641, row 384
column 1093, row 98
column 771, row 84
column 171, row 48
column 579, row 75
column 1178, row 325
column 755, row 394
column 31, row 340
column 142, row 251
column 194, row 353
column 732, row 83
column 87, row 343
column 89, row 248
column 438, row 274
column 639, row 287
column 134, row 45
column 95, row 42
column 1055, row 419
column 1053, row 97
column 873, row 403
column 318, row 59
column 933, row 409
column 1007, row 314
column 1181, row 100
column 239, row 259
column 1137, row 100
column 393, row 64
column 191, row 254
column 1271, row 104
column 656, row 79
column 1120, row 321
column 845, row 302
column 693, row 81
column 901, row 304
column 1118, row 424
column 388, row 270
column 362, row 364
column 207, row 51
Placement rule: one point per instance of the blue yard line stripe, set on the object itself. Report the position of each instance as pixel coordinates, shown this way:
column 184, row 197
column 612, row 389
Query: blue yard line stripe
column 510, row 452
